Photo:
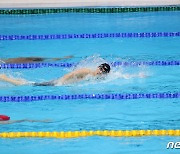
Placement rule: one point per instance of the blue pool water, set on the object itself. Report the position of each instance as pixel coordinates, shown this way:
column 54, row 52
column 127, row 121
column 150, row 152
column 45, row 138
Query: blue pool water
column 72, row 115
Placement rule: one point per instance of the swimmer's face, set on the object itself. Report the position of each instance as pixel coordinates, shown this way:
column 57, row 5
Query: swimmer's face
column 99, row 71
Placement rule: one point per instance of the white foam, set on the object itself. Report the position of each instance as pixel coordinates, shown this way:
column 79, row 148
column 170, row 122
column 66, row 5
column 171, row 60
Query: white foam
column 91, row 62
column 116, row 73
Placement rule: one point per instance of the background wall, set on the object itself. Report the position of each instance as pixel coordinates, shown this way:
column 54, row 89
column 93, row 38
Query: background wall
column 76, row 3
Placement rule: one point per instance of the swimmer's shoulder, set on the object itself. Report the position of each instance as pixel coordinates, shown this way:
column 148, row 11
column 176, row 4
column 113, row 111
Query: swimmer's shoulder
column 83, row 71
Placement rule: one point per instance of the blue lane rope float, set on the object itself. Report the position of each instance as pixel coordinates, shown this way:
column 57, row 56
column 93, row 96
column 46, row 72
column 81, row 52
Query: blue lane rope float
column 68, row 65
column 165, row 95
column 88, row 36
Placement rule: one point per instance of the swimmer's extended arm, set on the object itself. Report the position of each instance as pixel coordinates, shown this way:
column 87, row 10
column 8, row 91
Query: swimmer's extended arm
column 24, row 120
column 16, row 82
column 68, row 78
column 75, row 75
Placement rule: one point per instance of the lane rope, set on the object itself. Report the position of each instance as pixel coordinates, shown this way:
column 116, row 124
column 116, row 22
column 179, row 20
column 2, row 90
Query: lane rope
column 68, row 65
column 84, row 133
column 88, row 36
column 88, row 10
column 168, row 95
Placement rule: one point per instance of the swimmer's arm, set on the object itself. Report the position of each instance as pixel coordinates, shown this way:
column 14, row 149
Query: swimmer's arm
column 75, row 74
column 16, row 82
column 24, row 120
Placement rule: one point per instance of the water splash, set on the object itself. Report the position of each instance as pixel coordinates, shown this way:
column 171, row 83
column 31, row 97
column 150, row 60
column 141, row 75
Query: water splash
column 122, row 74
column 91, row 62
column 1, row 61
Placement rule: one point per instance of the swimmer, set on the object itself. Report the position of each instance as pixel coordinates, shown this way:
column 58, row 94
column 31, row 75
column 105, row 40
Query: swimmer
column 73, row 77
column 24, row 120
column 69, row 78
column 31, row 59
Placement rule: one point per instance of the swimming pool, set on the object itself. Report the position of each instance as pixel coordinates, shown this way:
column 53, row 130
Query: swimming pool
column 89, row 114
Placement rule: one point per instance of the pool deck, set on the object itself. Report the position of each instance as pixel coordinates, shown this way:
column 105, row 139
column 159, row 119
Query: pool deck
column 82, row 3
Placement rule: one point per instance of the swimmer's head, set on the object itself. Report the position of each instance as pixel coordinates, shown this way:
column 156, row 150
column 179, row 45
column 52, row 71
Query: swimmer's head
column 103, row 68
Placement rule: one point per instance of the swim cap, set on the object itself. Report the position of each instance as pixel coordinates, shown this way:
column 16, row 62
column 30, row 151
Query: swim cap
column 4, row 118
column 105, row 68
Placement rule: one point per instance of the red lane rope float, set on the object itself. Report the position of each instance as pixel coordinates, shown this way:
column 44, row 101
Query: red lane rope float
column 4, row 118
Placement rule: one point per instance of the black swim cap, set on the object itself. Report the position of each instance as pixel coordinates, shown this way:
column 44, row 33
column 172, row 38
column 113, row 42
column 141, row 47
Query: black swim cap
column 105, row 68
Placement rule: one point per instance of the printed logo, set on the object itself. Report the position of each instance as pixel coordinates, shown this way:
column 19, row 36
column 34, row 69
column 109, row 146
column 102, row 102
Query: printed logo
column 173, row 145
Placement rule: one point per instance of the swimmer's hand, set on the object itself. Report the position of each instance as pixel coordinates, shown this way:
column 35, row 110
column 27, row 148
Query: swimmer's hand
column 3, row 77
column 16, row 82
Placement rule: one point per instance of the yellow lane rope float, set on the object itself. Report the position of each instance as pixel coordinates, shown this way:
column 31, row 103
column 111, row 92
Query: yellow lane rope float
column 76, row 134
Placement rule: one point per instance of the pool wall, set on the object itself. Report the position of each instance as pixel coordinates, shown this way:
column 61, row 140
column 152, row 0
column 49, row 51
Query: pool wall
column 82, row 3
